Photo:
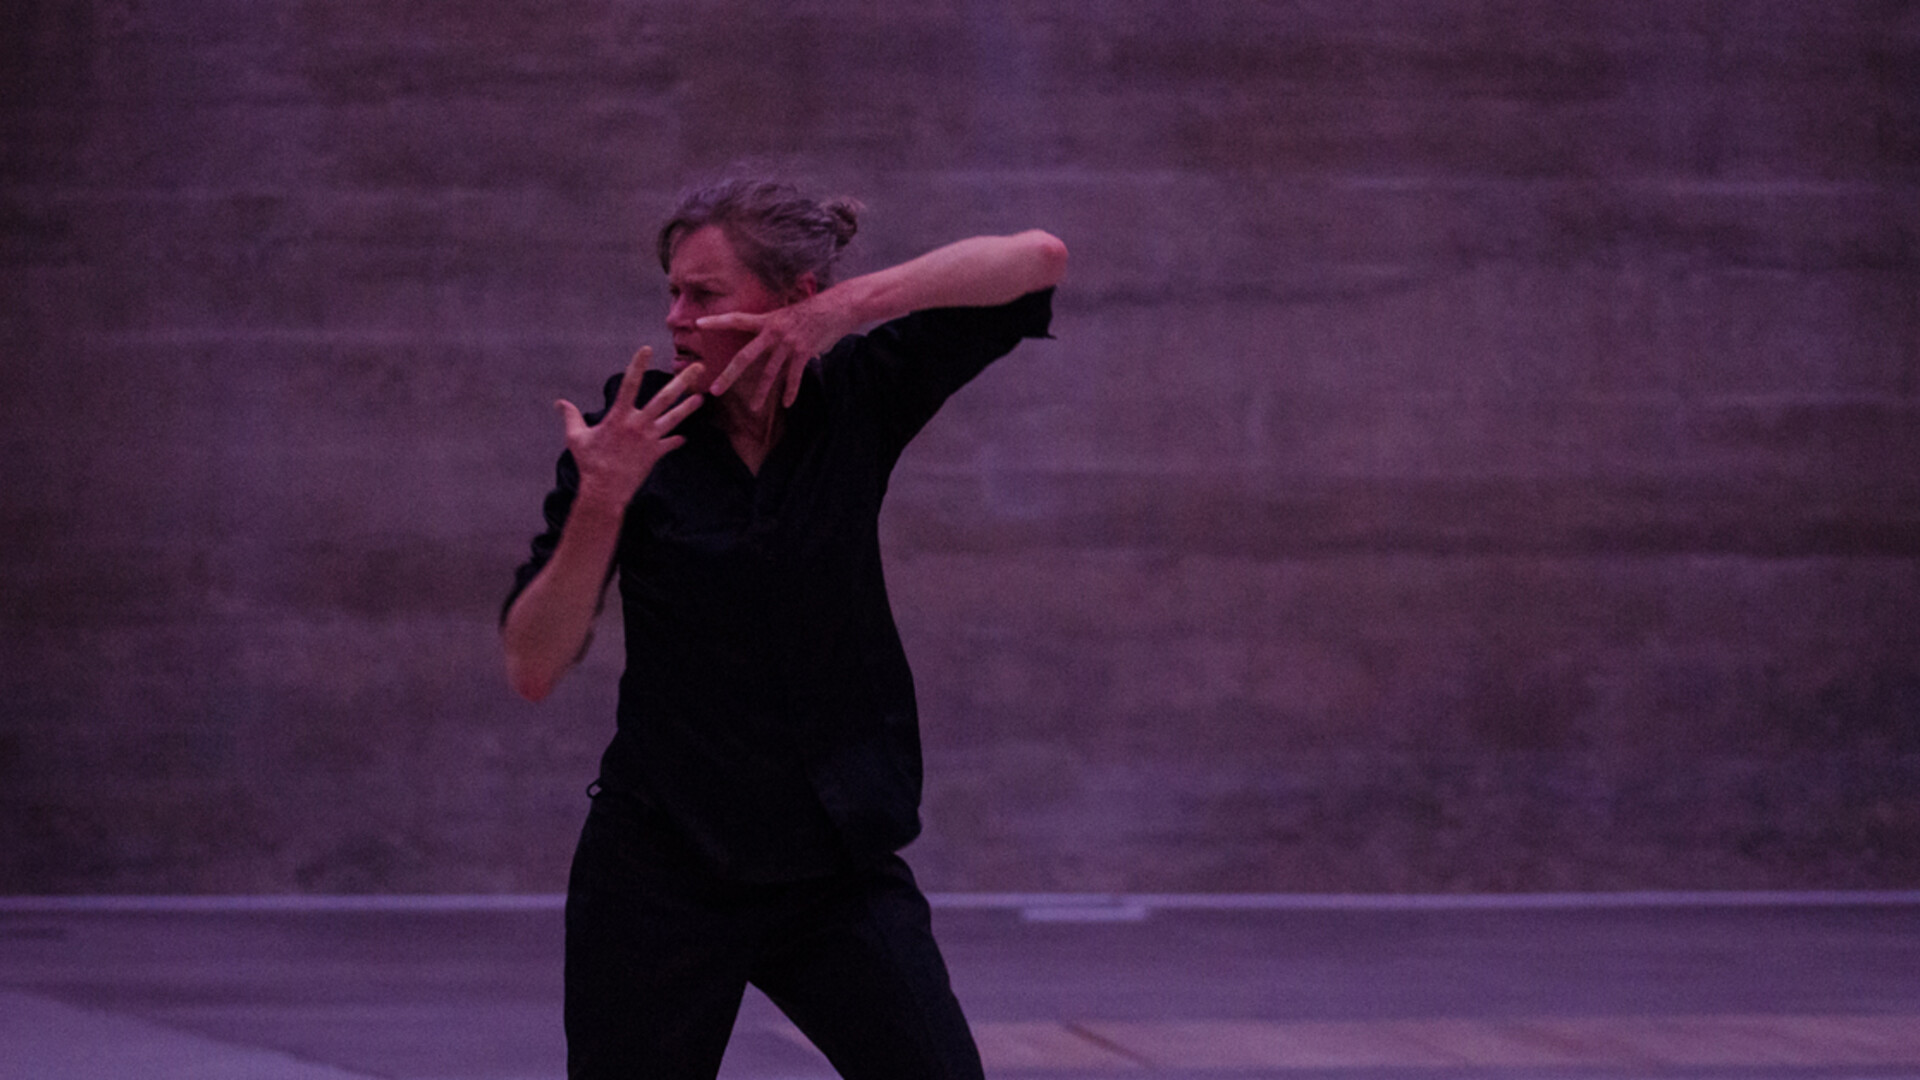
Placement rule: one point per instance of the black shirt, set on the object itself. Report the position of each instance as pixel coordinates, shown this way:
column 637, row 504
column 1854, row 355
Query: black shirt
column 767, row 709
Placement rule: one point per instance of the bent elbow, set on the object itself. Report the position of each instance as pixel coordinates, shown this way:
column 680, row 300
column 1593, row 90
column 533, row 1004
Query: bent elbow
column 528, row 681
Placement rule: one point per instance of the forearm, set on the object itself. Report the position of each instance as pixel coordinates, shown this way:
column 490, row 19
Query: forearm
column 547, row 628
column 978, row 272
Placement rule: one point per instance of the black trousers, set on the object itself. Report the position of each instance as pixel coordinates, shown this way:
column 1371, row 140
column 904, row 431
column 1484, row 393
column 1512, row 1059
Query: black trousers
column 660, row 952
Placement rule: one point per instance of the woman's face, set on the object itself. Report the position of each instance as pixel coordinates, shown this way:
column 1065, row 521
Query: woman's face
column 704, row 278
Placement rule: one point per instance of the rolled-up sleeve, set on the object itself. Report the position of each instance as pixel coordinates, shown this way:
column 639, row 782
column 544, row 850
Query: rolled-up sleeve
column 904, row 370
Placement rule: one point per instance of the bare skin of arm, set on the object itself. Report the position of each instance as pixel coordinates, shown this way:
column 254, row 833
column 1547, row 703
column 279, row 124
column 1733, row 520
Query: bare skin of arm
column 547, row 628
column 977, row 272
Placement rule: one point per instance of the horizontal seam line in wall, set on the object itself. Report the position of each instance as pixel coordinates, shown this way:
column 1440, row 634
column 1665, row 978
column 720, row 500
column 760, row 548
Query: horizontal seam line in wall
column 224, row 335
column 1678, row 184
column 482, row 902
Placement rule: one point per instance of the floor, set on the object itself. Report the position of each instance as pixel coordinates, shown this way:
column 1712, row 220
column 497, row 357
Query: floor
column 1057, row 987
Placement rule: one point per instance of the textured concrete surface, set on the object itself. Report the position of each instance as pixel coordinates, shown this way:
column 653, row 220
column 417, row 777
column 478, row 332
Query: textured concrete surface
column 1057, row 988
column 1481, row 449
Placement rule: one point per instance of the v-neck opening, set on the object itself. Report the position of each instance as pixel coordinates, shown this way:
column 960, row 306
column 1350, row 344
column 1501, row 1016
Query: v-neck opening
column 790, row 422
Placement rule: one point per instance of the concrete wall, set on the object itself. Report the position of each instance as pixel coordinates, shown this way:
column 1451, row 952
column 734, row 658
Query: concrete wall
column 1481, row 451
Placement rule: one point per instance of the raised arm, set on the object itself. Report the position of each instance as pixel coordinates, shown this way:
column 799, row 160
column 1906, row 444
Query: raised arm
column 547, row 628
column 978, row 272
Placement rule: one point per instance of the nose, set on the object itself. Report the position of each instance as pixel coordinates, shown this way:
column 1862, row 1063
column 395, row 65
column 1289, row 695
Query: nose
column 680, row 314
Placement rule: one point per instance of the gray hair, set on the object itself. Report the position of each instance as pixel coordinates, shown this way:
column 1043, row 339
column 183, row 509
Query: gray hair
column 776, row 231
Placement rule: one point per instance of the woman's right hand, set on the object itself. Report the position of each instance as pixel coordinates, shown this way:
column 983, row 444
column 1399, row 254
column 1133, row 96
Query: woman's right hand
column 547, row 629
column 616, row 454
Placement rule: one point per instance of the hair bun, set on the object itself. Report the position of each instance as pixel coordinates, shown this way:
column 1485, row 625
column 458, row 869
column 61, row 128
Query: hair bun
column 844, row 219
column 778, row 232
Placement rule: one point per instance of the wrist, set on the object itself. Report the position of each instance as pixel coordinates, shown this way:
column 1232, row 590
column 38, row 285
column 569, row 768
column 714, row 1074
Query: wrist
column 596, row 506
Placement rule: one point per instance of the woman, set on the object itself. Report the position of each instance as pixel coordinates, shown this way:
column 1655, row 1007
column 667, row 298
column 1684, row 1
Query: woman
column 766, row 762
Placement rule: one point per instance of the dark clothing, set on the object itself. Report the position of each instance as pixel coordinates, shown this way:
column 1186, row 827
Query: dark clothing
column 767, row 712
column 766, row 761
column 659, row 952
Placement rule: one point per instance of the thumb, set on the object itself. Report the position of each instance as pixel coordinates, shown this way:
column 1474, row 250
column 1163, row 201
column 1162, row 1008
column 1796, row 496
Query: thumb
column 570, row 417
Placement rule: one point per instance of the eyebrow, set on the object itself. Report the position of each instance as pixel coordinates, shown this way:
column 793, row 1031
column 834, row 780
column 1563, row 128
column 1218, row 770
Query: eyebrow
column 703, row 280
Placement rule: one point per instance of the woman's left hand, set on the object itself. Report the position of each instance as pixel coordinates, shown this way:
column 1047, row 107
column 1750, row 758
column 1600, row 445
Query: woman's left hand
column 784, row 340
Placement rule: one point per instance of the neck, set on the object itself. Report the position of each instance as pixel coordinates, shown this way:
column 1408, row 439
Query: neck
column 738, row 418
column 752, row 433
